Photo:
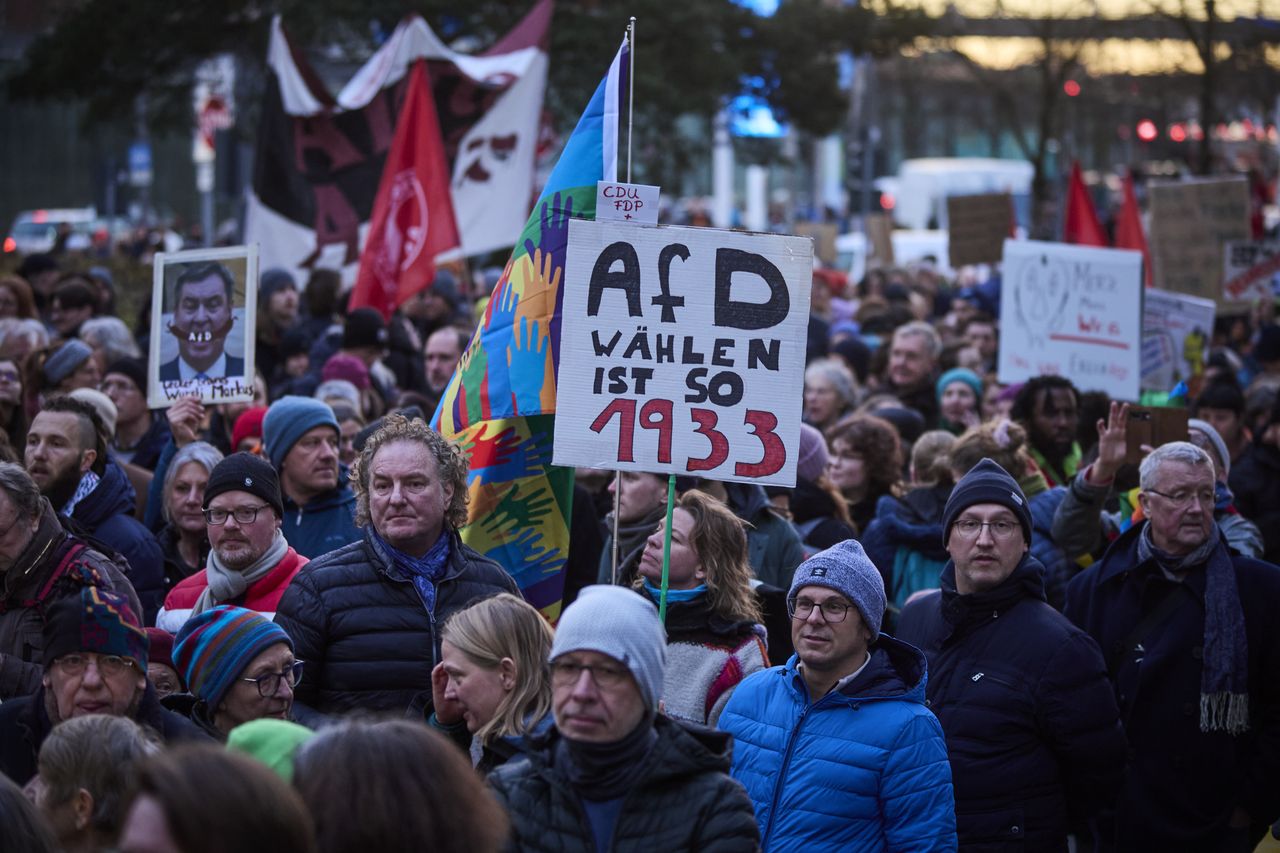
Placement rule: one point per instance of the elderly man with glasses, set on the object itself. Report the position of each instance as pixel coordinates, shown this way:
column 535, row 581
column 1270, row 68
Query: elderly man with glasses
column 250, row 563
column 95, row 662
column 1033, row 732
column 836, row 749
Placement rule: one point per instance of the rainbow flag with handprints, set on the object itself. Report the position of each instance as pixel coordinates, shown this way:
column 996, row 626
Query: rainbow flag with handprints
column 500, row 404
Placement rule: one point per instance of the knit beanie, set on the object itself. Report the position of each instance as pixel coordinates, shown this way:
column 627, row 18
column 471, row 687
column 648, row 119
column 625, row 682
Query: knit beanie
column 986, row 483
column 248, row 425
column 245, row 472
column 272, row 282
column 365, row 328
column 288, row 419
column 214, row 647
column 102, row 404
column 846, row 568
column 273, row 742
column 134, row 368
column 614, row 621
column 346, row 367
column 812, row 460
column 161, row 647
column 1215, row 439
column 960, row 374
column 95, row 621
column 66, row 360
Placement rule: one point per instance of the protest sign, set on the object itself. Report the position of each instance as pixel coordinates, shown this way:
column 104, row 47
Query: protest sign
column 1072, row 311
column 620, row 202
column 824, row 239
column 682, row 351
column 1250, row 270
column 1190, row 222
column 1176, row 329
column 203, row 309
column 880, row 234
column 978, row 225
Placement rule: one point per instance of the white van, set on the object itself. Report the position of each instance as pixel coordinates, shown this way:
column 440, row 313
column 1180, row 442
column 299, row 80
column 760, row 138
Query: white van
column 908, row 247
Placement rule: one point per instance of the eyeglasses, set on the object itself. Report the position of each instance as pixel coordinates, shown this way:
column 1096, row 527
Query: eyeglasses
column 269, row 684
column 564, row 673
column 1183, row 499
column 108, row 665
column 242, row 515
column 832, row 609
column 971, row 529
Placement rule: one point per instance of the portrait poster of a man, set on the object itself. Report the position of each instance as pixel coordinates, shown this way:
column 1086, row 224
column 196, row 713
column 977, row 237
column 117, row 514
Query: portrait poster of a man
column 202, row 320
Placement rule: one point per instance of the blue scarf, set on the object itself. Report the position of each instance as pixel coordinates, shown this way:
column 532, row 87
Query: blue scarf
column 424, row 571
column 655, row 592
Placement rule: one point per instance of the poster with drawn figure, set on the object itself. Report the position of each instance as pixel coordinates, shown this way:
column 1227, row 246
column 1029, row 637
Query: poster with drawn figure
column 203, row 310
column 1251, row 270
column 1072, row 311
column 683, row 351
column 1176, row 330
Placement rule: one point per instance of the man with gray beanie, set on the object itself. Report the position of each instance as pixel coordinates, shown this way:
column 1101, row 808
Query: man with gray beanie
column 1033, row 732
column 643, row 781
column 836, row 748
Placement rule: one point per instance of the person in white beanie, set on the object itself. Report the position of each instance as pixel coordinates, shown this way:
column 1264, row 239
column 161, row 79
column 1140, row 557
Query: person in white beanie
column 614, row 774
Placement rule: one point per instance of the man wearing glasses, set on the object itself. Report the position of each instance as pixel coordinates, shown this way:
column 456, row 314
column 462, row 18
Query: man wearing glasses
column 1188, row 630
column 836, row 749
column 1033, row 733
column 95, row 662
column 250, row 563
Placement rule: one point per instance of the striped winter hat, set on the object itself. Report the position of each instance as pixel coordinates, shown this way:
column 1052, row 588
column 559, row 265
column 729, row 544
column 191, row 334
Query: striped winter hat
column 214, row 647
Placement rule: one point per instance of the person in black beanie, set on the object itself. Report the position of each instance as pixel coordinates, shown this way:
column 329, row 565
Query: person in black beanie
column 141, row 435
column 1033, row 732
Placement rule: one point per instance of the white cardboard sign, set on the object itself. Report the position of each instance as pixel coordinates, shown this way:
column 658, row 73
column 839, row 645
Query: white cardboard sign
column 682, row 351
column 1250, row 270
column 619, row 202
column 1072, row 311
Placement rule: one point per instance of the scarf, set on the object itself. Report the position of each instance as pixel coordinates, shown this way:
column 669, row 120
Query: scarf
column 1070, row 465
column 88, row 483
column 226, row 584
column 1033, row 483
column 631, row 538
column 655, row 592
column 1224, row 676
column 425, row 571
column 606, row 771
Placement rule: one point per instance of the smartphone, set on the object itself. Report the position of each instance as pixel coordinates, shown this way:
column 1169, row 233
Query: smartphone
column 1153, row 426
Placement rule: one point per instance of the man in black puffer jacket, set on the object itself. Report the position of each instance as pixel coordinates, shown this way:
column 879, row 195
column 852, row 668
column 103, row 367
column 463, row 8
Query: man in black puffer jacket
column 1031, row 722
column 365, row 617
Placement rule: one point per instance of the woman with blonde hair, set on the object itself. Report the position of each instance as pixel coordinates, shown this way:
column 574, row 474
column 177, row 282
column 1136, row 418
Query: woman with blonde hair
column 492, row 687
column 714, row 635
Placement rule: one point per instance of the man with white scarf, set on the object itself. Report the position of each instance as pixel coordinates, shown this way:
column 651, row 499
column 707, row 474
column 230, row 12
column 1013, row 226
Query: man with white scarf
column 250, row 563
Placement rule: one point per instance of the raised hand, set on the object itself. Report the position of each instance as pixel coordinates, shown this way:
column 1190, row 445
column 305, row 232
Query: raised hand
column 448, row 711
column 185, row 417
column 1112, row 444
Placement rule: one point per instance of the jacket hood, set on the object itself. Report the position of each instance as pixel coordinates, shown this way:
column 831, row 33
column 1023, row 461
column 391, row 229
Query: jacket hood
column 915, row 520
column 897, row 670
column 747, row 499
column 113, row 496
column 336, row 497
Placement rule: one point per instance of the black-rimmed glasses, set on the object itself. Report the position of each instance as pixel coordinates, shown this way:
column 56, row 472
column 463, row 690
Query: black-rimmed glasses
column 832, row 610
column 242, row 514
column 269, row 684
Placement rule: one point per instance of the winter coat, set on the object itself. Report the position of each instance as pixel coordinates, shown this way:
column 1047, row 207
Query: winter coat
column 1182, row 784
column 55, row 565
column 263, row 595
column 325, row 523
column 24, row 724
column 862, row 768
column 773, row 545
column 813, row 515
column 176, row 568
column 360, row 625
column 1033, row 732
column 106, row 515
column 1255, row 481
column 488, row 757
column 905, row 541
column 683, row 801
column 146, row 453
column 1057, row 568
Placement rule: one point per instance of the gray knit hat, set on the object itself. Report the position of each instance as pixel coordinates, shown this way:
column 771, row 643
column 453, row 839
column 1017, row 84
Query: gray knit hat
column 1215, row 439
column 847, row 569
column 615, row 621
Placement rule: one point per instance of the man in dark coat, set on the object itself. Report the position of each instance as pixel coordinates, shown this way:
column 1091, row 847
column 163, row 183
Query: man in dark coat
column 1033, row 732
column 95, row 662
column 1189, row 633
column 365, row 617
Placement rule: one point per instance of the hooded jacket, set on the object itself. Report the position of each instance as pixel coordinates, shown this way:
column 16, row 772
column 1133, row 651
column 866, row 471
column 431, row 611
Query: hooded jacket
column 323, row 524
column 684, row 799
column 905, row 541
column 773, row 545
column 106, row 515
column 862, row 768
column 1033, row 732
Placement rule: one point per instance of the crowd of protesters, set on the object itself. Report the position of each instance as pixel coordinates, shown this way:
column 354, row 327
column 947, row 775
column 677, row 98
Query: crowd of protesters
column 974, row 623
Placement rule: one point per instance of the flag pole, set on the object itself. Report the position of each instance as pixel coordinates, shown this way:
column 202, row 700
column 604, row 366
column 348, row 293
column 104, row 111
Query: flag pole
column 666, row 548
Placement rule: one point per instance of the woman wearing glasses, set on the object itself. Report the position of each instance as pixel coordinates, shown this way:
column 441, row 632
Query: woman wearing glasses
column 714, row 635
column 238, row 665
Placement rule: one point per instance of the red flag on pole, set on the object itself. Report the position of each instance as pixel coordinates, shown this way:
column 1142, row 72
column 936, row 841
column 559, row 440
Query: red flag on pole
column 1081, row 222
column 413, row 223
column 1129, row 234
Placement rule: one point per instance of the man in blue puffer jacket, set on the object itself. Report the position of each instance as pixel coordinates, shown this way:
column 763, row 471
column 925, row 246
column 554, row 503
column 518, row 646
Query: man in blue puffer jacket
column 836, row 749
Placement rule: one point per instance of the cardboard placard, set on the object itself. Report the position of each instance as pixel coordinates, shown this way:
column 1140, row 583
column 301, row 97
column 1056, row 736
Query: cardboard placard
column 203, row 311
column 1176, row 331
column 1190, row 222
column 978, row 226
column 880, row 238
column 682, row 351
column 1250, row 270
column 1072, row 311
column 824, row 239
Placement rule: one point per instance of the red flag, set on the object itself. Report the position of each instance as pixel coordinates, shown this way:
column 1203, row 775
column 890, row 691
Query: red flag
column 1129, row 233
column 413, row 222
column 1081, row 223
